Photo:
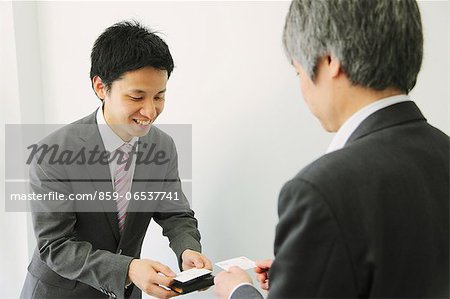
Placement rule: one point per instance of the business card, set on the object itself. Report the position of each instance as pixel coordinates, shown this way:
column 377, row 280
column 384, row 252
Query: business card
column 242, row 262
column 191, row 274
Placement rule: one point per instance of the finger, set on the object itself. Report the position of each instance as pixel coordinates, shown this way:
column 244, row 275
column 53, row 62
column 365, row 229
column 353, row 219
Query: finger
column 159, row 292
column 207, row 263
column 264, row 264
column 162, row 280
column 198, row 262
column 187, row 265
column 265, row 286
column 261, row 277
column 261, row 270
column 160, row 268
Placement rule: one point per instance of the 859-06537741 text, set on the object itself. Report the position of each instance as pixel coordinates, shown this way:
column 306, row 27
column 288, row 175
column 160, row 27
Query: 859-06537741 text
column 56, row 196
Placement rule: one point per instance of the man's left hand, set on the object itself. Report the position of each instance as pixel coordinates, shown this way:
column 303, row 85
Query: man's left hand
column 226, row 281
column 193, row 259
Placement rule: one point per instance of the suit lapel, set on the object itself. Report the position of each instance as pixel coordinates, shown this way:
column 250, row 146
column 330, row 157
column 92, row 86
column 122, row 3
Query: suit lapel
column 100, row 174
column 390, row 116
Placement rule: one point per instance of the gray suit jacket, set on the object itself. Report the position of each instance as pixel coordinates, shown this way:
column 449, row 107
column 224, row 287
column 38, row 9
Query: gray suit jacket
column 82, row 254
column 370, row 220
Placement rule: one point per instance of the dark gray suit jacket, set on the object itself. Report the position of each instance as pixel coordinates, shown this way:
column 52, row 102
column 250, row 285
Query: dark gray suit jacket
column 82, row 254
column 370, row 220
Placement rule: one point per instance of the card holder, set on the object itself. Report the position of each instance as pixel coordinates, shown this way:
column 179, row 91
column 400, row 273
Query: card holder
column 195, row 284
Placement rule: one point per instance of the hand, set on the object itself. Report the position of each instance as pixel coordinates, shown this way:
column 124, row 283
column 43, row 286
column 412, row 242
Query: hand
column 149, row 276
column 193, row 259
column 262, row 273
column 226, row 281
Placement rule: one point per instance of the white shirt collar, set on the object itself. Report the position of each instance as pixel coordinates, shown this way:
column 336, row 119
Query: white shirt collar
column 111, row 140
column 350, row 125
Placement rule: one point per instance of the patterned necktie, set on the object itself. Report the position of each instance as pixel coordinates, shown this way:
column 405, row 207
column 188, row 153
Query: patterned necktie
column 122, row 182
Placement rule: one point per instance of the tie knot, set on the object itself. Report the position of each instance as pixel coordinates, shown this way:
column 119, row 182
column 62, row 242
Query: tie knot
column 123, row 152
column 126, row 148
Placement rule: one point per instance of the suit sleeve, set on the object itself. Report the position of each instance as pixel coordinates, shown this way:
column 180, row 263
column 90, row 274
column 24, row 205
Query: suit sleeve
column 311, row 257
column 246, row 292
column 58, row 247
column 176, row 218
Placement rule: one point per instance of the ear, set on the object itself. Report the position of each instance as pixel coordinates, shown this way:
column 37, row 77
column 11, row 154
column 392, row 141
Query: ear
column 334, row 66
column 99, row 87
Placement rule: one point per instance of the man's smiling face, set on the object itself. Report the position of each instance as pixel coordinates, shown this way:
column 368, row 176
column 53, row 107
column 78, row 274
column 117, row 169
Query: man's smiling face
column 133, row 101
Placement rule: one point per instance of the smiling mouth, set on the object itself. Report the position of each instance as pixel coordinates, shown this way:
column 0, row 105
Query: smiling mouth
column 142, row 122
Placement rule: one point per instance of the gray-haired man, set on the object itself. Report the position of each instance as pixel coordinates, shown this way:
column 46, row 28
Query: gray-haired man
column 369, row 218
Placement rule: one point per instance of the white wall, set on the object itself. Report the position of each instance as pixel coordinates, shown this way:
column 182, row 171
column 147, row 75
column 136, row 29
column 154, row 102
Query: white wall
column 251, row 130
column 18, row 69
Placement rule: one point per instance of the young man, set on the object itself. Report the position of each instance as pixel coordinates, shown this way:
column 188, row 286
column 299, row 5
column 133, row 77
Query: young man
column 92, row 250
column 370, row 218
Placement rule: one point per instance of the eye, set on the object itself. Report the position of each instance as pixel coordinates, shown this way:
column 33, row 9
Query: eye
column 159, row 98
column 136, row 98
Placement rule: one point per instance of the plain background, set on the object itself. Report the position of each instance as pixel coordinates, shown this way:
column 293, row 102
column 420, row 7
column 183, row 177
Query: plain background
column 232, row 82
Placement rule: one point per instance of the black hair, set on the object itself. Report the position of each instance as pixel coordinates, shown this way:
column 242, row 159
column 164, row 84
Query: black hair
column 128, row 46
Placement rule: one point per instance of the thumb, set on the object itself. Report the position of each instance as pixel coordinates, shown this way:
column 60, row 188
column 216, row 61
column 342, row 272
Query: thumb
column 160, row 268
column 235, row 269
column 198, row 262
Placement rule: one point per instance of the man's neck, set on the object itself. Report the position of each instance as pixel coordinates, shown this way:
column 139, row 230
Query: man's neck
column 114, row 127
column 358, row 98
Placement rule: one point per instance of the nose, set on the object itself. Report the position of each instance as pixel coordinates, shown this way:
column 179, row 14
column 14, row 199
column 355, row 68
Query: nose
column 149, row 109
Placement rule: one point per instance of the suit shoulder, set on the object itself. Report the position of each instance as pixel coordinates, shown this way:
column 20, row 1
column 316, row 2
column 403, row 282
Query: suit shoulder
column 385, row 155
column 159, row 133
column 67, row 134
column 328, row 164
column 88, row 119
column 335, row 172
column 159, row 137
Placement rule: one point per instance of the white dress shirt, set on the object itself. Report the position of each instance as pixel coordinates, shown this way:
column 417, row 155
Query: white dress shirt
column 112, row 142
column 350, row 125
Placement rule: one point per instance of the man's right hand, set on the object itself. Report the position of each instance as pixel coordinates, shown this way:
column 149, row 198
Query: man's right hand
column 262, row 273
column 149, row 276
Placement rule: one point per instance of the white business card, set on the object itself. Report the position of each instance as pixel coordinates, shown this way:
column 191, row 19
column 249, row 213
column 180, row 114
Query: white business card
column 191, row 274
column 242, row 262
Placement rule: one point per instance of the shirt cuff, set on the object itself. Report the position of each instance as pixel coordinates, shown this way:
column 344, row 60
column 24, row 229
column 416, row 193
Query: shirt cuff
column 236, row 287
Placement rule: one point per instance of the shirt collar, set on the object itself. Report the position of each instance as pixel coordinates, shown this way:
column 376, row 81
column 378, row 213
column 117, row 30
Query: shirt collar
column 350, row 125
column 111, row 140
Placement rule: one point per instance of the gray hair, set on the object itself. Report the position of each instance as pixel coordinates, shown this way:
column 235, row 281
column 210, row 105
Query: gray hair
column 379, row 43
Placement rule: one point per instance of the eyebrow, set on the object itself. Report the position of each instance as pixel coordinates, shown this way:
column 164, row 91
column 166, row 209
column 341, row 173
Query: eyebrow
column 141, row 91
